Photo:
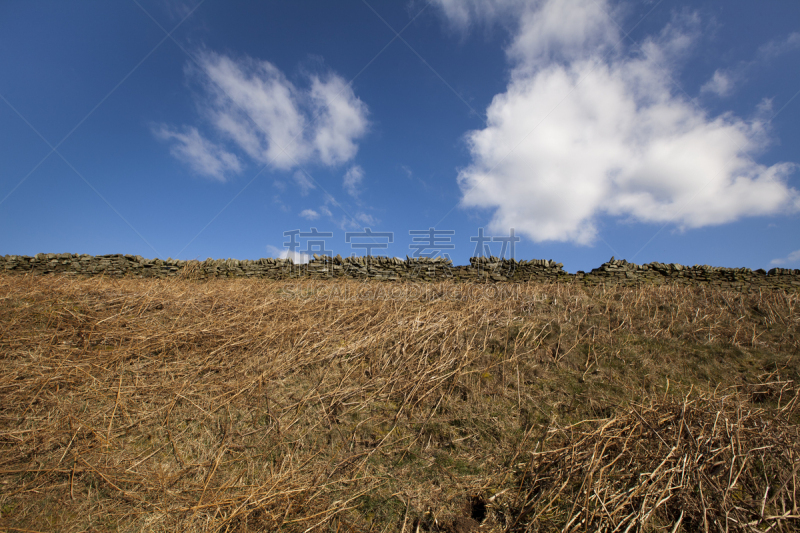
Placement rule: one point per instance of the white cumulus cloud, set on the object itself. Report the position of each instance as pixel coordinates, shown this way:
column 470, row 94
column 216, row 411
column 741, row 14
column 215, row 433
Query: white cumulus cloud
column 585, row 130
column 203, row 156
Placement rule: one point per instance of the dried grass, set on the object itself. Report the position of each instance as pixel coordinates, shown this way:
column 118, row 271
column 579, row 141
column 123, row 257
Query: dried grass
column 244, row 405
column 708, row 464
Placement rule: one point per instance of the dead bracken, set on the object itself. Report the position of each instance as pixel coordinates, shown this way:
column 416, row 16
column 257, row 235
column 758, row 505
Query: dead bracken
column 265, row 405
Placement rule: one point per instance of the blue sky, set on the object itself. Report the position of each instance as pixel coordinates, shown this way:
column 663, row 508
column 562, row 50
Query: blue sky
column 651, row 131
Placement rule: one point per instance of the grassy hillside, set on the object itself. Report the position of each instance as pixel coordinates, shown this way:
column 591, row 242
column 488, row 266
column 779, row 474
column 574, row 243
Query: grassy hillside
column 237, row 405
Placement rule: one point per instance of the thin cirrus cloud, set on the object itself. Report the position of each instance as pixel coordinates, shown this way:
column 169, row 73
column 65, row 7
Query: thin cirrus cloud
column 253, row 106
column 585, row 130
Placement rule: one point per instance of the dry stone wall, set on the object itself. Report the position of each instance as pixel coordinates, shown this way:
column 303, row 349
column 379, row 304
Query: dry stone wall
column 621, row 271
column 481, row 269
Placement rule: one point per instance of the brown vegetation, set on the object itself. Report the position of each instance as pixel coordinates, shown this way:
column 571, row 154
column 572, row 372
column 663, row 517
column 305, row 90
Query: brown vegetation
column 243, row 405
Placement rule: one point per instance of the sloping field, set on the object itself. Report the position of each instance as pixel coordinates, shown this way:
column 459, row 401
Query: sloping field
column 151, row 405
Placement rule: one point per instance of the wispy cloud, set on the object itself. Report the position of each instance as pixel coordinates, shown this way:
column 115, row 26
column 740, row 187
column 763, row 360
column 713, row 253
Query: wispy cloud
column 203, row 156
column 410, row 174
column 367, row 219
column 303, row 181
column 274, row 121
column 792, row 259
column 309, row 214
column 725, row 81
column 721, row 83
column 352, row 180
column 177, row 9
column 253, row 105
column 780, row 46
column 586, row 129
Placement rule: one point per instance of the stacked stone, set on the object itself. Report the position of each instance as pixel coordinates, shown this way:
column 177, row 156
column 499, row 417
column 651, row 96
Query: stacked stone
column 495, row 269
column 111, row 264
column 248, row 268
column 379, row 268
column 430, row 269
column 480, row 269
column 784, row 278
column 622, row 272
